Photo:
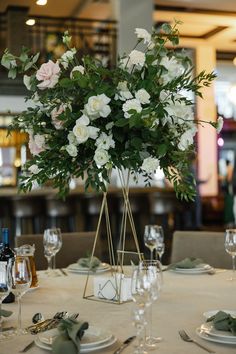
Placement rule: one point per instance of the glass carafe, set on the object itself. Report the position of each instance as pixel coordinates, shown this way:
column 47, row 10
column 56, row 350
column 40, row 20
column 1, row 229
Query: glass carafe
column 28, row 251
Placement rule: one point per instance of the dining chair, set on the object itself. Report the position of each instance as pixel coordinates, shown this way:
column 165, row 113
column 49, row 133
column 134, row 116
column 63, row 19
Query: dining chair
column 207, row 245
column 74, row 246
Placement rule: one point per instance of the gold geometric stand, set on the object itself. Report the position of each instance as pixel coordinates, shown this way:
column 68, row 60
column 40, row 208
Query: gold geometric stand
column 117, row 271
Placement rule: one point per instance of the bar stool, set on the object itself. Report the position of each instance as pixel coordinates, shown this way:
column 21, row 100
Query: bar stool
column 61, row 214
column 27, row 214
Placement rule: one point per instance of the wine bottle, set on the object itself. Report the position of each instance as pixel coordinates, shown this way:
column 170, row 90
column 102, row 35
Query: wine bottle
column 7, row 255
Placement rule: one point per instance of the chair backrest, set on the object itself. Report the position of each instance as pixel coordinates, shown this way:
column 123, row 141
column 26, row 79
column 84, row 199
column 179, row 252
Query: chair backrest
column 74, row 246
column 209, row 246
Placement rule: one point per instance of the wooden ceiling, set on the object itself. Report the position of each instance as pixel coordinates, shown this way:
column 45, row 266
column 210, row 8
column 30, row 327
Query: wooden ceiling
column 211, row 22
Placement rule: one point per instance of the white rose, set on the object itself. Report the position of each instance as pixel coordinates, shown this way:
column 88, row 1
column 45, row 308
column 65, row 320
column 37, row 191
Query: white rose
column 93, row 132
column 81, row 133
column 179, row 112
column 71, row 138
column 79, row 68
column 137, row 57
column 97, row 106
column 220, row 123
column 143, row 34
column 173, row 67
column 131, row 104
column 150, row 164
column 105, row 141
column 26, row 80
column 101, row 157
column 124, row 93
column 143, row 96
column 186, row 139
column 67, row 57
column 34, row 169
column 72, row 150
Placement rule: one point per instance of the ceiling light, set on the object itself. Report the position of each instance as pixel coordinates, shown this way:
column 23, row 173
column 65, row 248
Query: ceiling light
column 41, row 2
column 30, row 22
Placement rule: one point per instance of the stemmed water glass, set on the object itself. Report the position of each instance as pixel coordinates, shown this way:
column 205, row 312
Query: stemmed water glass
column 52, row 242
column 153, row 271
column 152, row 235
column 139, row 291
column 21, row 281
column 230, row 247
column 5, row 287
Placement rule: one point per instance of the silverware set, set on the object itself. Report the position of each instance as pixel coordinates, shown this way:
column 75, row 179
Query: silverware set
column 46, row 325
column 50, row 322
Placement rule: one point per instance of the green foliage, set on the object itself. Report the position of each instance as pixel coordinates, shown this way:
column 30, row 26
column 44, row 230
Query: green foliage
column 158, row 125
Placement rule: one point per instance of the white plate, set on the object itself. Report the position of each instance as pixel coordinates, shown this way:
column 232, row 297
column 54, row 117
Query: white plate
column 209, row 329
column 197, row 270
column 103, row 267
column 206, row 336
column 211, row 313
column 82, row 350
column 93, row 336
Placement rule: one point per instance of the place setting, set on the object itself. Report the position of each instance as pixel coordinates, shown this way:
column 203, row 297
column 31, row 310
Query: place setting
column 191, row 266
column 93, row 339
column 220, row 327
column 88, row 264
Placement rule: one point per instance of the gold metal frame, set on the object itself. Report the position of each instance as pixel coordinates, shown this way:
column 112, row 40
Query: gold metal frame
column 116, row 262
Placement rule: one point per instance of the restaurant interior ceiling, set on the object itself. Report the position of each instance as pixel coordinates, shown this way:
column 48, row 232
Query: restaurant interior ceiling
column 212, row 21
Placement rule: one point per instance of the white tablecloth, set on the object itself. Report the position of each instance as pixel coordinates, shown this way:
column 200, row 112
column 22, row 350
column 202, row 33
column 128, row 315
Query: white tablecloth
column 183, row 300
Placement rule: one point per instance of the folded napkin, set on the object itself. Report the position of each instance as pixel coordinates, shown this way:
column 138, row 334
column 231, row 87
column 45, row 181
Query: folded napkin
column 91, row 263
column 70, row 334
column 223, row 322
column 187, row 263
column 5, row 313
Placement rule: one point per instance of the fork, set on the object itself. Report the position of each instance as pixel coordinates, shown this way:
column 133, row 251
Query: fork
column 186, row 338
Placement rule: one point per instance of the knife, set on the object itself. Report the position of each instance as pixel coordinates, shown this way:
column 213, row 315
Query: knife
column 124, row 345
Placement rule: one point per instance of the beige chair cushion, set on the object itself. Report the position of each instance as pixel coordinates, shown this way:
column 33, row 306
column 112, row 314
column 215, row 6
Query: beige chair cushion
column 206, row 245
column 74, row 246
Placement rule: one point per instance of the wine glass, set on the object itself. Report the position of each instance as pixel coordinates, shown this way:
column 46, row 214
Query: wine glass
column 52, row 242
column 139, row 291
column 5, row 287
column 21, row 281
column 139, row 321
column 160, row 250
column 230, row 247
column 153, row 271
column 152, row 234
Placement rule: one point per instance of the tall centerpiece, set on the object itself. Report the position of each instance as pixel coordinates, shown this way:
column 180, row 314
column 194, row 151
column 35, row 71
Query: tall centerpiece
column 84, row 119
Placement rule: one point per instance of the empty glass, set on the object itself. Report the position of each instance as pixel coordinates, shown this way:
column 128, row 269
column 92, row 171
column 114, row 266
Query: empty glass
column 153, row 270
column 152, row 235
column 230, row 247
column 5, row 287
column 21, row 281
column 145, row 288
column 52, row 242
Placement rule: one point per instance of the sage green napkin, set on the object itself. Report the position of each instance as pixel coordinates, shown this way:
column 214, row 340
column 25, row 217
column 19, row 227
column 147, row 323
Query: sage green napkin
column 70, row 334
column 5, row 313
column 88, row 262
column 187, row 263
column 223, row 322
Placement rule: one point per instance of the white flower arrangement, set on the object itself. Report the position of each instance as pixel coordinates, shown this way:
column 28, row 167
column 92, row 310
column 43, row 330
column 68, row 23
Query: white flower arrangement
column 89, row 119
